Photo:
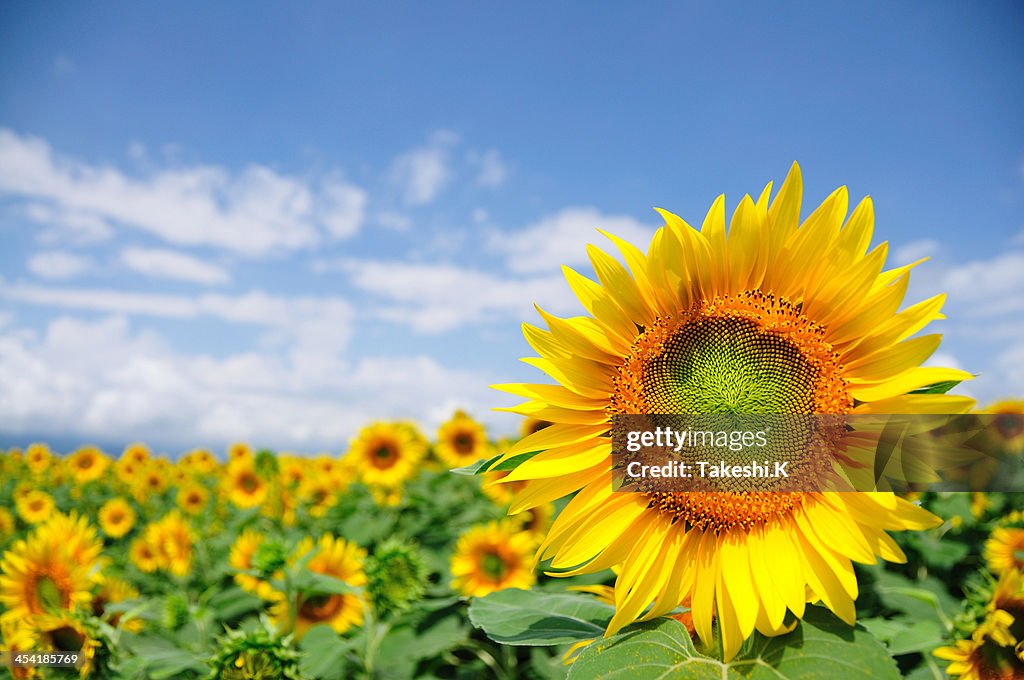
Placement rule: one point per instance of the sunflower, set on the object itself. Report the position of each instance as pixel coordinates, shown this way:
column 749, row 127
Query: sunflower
column 150, row 480
column 240, row 452
column 34, row 506
column 192, row 498
column 498, row 491
column 339, row 559
column 116, row 517
column 16, row 636
column 536, row 520
column 87, row 464
column 241, row 558
column 199, row 461
column 111, row 590
column 385, row 454
column 38, row 575
column 71, row 535
column 492, row 557
column 38, row 458
column 771, row 316
column 143, row 555
column 462, row 441
column 6, row 523
column 1004, row 549
column 319, row 495
column 136, row 453
column 165, row 544
column 62, row 631
column 292, row 471
column 1008, row 423
column 989, row 654
column 243, row 486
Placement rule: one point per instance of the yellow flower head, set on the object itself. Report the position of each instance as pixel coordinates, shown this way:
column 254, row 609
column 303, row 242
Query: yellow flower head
column 49, row 570
column 1009, row 423
column 34, row 506
column 65, row 632
column 385, row 454
column 241, row 557
column 88, row 464
column 116, row 517
column 1004, row 549
column 240, row 452
column 193, row 498
column 199, row 461
column 462, row 441
column 243, row 486
column 492, row 557
column 111, row 590
column 38, row 458
column 6, row 524
column 137, row 454
column 758, row 314
column 165, row 544
column 333, row 557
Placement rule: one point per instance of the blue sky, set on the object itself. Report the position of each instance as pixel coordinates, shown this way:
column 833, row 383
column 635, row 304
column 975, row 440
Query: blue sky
column 223, row 221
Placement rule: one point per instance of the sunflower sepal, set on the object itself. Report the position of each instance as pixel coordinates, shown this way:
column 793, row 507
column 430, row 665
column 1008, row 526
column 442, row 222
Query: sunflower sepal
column 938, row 388
column 495, row 464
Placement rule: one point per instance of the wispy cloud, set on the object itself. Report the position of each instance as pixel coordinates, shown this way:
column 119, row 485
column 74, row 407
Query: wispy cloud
column 422, row 173
column 58, row 264
column 560, row 238
column 491, row 169
column 252, row 212
column 170, row 264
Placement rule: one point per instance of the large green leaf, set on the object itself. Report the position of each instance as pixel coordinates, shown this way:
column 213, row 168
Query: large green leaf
column 820, row 648
column 324, row 653
column 531, row 618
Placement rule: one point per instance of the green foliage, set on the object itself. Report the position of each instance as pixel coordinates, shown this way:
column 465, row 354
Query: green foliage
column 534, row 618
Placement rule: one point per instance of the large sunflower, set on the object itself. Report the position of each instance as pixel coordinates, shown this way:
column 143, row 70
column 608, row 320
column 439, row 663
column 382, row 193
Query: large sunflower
column 1004, row 549
column 46, row 573
column 770, row 316
column 333, row 557
column 385, row 454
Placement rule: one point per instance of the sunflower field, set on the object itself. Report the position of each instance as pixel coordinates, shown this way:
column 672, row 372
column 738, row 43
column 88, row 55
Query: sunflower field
column 461, row 555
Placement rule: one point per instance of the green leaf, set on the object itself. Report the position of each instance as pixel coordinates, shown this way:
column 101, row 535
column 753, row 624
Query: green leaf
column 162, row 659
column 821, row 647
column 530, row 618
column 925, row 598
column 478, row 467
column 938, row 388
column 234, row 602
column 324, row 653
column 312, row 583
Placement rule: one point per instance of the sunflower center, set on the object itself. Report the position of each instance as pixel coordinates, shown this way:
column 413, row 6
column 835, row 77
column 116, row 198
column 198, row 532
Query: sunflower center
column 48, row 594
column 749, row 353
column 249, row 483
column 385, row 455
column 320, row 607
column 493, row 566
column 463, row 443
column 67, row 639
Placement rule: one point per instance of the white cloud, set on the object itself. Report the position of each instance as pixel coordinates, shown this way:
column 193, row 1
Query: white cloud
column 988, row 287
column 316, row 321
column 253, row 212
column 915, row 250
column 171, row 264
column 492, row 170
column 68, row 224
column 561, row 239
column 105, row 380
column 433, row 298
column 58, row 264
column 422, row 173
column 395, row 221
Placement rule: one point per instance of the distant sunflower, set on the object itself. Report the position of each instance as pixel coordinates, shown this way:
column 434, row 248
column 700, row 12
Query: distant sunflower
column 292, row 471
column 385, row 454
column 35, row 506
column 1004, row 549
column 240, row 452
column 768, row 316
column 499, row 491
column 492, row 557
column 319, row 495
column 150, row 480
column 989, row 654
column 462, row 441
column 241, row 558
column 333, row 557
column 110, row 590
column 1009, row 423
column 116, row 517
column 88, row 464
column 193, row 498
column 143, row 555
column 199, row 461
column 137, row 454
column 38, row 458
column 532, row 426
column 165, row 544
column 6, row 524
column 243, row 486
